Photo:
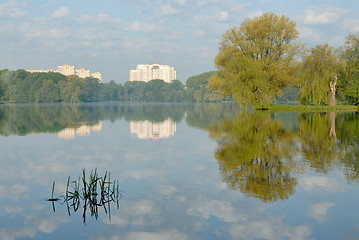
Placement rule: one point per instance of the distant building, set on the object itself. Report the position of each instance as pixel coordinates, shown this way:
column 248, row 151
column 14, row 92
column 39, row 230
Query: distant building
column 66, row 70
column 37, row 71
column 97, row 75
column 146, row 73
column 83, row 73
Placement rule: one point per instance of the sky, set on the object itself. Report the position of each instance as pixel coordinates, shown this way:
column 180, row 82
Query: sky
column 114, row 36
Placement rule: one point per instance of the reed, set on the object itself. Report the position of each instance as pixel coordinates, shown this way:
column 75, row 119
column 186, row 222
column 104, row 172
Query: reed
column 89, row 193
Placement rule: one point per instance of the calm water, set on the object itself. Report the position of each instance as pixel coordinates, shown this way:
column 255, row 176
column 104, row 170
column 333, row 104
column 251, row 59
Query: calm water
column 185, row 171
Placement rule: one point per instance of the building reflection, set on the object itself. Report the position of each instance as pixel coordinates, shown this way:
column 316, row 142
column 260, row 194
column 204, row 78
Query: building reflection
column 83, row 130
column 153, row 130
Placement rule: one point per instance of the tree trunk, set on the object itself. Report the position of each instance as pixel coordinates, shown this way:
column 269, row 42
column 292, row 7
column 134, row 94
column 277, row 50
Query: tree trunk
column 332, row 91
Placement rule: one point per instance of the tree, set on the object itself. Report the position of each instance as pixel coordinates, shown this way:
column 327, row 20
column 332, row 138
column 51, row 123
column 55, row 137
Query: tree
column 197, row 91
column 257, row 59
column 94, row 89
column 349, row 86
column 319, row 75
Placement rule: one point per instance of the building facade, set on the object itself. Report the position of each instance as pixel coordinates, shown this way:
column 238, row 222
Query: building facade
column 66, row 70
column 97, row 75
column 146, row 73
column 83, row 73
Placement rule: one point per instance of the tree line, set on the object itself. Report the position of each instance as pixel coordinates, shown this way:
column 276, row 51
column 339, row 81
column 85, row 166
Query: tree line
column 262, row 56
column 21, row 86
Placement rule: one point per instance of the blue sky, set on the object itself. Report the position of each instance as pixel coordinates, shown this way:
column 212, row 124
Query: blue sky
column 113, row 36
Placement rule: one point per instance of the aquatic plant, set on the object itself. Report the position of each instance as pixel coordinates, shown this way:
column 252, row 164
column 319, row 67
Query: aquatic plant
column 89, row 194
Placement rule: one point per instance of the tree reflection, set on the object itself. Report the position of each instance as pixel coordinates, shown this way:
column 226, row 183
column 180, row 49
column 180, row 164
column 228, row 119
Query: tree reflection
column 258, row 156
column 255, row 156
column 53, row 118
column 318, row 140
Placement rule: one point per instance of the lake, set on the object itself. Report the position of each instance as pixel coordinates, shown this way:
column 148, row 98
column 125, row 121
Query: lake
column 185, row 171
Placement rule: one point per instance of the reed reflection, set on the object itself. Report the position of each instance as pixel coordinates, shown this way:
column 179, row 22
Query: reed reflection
column 262, row 159
column 89, row 194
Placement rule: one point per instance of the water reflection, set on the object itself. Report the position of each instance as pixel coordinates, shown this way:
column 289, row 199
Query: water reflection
column 255, row 155
column 177, row 188
column 153, row 130
column 83, row 130
column 89, row 194
column 71, row 120
column 261, row 158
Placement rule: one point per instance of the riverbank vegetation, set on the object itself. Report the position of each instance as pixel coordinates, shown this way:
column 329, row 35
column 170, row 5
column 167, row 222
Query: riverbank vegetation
column 262, row 56
column 259, row 63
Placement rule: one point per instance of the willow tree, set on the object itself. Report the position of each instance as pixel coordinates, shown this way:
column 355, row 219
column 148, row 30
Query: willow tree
column 319, row 76
column 349, row 86
column 257, row 59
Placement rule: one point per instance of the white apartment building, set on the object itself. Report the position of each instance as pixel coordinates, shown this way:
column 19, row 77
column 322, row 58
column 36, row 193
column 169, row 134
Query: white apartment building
column 97, row 75
column 146, row 73
column 83, row 73
column 66, row 70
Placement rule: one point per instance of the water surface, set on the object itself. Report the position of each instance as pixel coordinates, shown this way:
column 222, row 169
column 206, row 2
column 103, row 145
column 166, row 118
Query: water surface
column 186, row 172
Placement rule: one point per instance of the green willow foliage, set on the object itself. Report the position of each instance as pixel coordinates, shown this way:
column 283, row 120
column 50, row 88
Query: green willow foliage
column 261, row 57
column 256, row 60
column 197, row 91
column 318, row 69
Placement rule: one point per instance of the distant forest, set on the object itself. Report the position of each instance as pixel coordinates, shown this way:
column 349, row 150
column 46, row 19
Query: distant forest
column 21, row 86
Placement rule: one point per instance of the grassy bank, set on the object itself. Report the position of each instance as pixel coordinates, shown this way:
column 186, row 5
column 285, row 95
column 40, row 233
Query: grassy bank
column 302, row 108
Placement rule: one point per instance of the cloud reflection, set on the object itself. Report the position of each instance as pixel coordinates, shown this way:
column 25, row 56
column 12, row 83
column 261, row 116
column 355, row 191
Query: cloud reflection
column 319, row 211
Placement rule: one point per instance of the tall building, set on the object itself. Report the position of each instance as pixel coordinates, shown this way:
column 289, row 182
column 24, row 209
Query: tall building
column 66, row 70
column 146, row 73
column 83, row 73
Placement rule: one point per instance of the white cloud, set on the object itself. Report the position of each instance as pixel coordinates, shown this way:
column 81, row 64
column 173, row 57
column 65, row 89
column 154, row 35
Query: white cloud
column 9, row 10
column 61, row 12
column 168, row 10
column 311, row 34
column 319, row 211
column 181, row 2
column 323, row 15
column 222, row 15
column 200, row 33
column 254, row 14
column 144, row 27
column 241, row 6
column 351, row 24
